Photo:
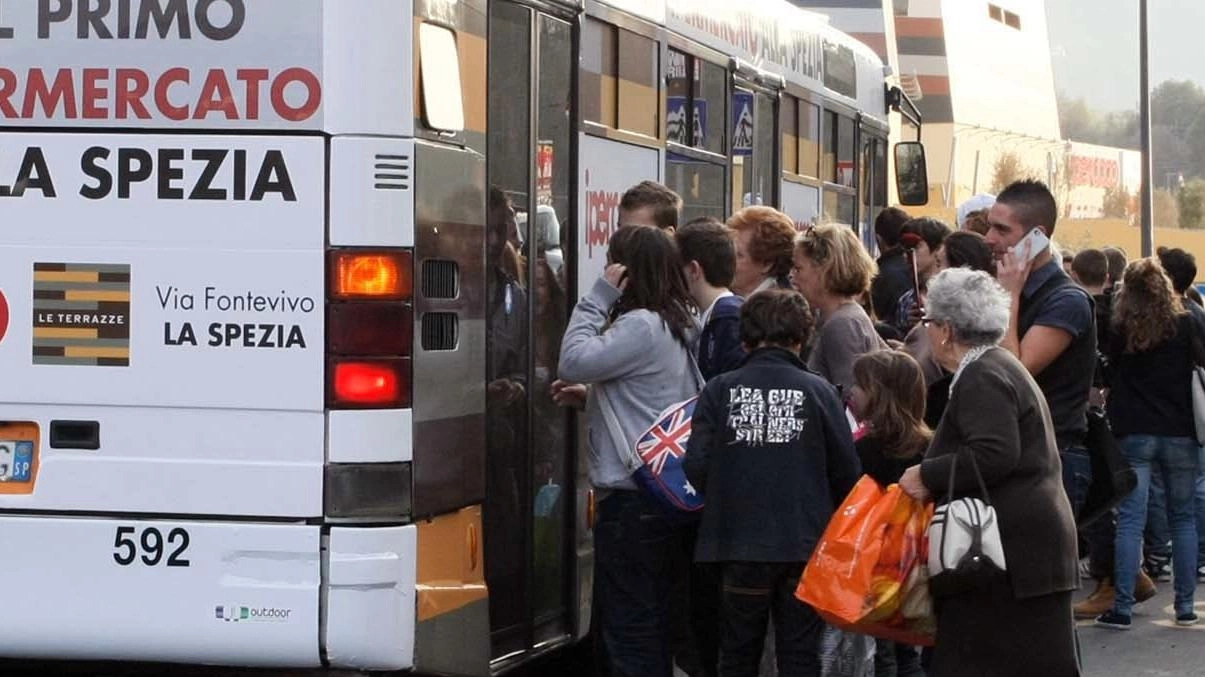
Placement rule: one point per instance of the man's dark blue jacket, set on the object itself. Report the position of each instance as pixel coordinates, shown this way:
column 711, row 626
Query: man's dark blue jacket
column 771, row 451
column 720, row 348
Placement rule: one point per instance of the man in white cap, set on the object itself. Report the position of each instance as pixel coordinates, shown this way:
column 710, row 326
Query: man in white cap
column 977, row 203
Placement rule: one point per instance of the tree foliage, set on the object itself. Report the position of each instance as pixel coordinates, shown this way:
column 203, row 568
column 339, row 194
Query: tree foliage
column 1167, row 209
column 1192, row 204
column 1177, row 128
column 1009, row 168
column 1117, row 203
column 1081, row 123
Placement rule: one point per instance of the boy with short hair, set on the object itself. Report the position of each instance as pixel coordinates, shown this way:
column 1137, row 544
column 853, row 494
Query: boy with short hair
column 1090, row 270
column 649, row 203
column 772, row 453
column 709, row 262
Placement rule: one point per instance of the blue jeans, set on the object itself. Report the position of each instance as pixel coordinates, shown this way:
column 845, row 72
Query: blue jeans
column 1177, row 461
column 1077, row 476
column 1201, row 512
column 1158, row 535
column 634, row 550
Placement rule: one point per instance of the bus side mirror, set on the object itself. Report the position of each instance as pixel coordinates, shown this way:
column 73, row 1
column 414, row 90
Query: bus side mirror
column 911, row 173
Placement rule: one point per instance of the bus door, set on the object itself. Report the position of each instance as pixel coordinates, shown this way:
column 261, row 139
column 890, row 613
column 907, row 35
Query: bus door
column 529, row 490
column 754, row 152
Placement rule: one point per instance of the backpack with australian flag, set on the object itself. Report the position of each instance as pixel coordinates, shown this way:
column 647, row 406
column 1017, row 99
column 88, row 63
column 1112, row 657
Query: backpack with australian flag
column 661, row 450
column 655, row 460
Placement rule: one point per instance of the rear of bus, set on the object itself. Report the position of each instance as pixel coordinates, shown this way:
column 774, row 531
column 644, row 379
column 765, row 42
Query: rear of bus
column 242, row 335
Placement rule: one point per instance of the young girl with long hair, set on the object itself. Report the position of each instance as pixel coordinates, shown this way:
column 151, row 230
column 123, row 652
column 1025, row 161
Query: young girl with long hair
column 888, row 398
column 629, row 340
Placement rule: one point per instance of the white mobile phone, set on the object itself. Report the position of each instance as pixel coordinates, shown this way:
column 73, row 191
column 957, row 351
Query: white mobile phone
column 1037, row 242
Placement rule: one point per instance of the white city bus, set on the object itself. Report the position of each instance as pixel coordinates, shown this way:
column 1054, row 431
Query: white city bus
column 277, row 328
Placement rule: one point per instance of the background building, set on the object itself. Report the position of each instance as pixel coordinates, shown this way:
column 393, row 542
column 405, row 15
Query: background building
column 989, row 102
column 1102, row 181
column 980, row 72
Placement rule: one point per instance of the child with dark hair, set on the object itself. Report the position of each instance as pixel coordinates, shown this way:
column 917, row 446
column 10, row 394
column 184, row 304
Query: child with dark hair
column 771, row 451
column 888, row 399
column 709, row 262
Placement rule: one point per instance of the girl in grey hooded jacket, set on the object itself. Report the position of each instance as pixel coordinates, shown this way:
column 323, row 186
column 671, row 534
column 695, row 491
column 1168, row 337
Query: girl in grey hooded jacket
column 628, row 339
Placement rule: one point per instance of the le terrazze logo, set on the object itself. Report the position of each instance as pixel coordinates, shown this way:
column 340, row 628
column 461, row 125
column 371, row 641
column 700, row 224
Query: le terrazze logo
column 235, row 613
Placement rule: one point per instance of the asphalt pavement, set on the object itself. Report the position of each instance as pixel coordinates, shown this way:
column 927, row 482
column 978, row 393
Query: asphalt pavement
column 1153, row 647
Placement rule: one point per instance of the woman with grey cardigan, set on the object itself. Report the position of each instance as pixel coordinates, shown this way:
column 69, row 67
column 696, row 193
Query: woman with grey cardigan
column 628, row 339
column 832, row 270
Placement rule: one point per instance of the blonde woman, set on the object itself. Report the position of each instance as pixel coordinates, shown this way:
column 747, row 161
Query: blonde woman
column 832, row 270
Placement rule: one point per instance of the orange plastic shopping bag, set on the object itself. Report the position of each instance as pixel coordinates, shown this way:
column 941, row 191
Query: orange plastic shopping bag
column 868, row 574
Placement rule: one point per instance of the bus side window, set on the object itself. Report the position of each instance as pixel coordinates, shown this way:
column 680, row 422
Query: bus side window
column 789, row 114
column 443, row 103
column 619, row 79
column 639, row 96
column 809, row 139
column 828, row 164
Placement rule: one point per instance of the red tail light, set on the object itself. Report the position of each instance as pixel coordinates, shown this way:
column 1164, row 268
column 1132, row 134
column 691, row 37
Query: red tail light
column 369, row 328
column 370, row 383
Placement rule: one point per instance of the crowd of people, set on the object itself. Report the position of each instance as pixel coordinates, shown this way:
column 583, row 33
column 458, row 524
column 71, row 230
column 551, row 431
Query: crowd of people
column 814, row 363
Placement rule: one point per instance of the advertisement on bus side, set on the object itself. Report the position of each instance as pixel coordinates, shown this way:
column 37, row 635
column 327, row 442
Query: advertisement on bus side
column 238, row 64
column 164, row 270
column 608, row 168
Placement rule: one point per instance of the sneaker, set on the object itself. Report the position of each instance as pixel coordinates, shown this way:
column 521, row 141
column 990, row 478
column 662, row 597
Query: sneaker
column 1085, row 568
column 1158, row 567
column 1100, row 601
column 1113, row 620
column 1185, row 620
column 1144, row 587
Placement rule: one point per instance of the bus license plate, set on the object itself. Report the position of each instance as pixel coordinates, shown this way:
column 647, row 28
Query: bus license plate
column 16, row 460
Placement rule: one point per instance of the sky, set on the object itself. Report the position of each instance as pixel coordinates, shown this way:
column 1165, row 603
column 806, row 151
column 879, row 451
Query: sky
column 1094, row 47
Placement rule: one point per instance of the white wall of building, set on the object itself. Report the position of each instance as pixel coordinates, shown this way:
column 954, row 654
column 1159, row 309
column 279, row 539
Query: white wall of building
column 970, row 155
column 1001, row 77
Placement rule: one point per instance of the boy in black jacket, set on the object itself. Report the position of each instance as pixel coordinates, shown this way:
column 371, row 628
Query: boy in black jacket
column 771, row 450
column 709, row 261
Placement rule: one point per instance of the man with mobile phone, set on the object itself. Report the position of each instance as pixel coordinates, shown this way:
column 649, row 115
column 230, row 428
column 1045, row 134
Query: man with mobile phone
column 1052, row 330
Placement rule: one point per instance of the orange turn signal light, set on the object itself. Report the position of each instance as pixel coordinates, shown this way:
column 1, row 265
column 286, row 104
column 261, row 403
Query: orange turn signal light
column 374, row 275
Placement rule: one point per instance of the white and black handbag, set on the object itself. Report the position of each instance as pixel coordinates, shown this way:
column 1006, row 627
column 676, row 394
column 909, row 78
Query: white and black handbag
column 965, row 551
column 1196, row 353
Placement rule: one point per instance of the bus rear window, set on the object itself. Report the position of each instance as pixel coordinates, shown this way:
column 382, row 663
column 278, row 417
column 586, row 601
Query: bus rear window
column 443, row 104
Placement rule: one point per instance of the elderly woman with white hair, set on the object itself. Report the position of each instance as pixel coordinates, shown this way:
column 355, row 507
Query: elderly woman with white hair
column 1018, row 621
